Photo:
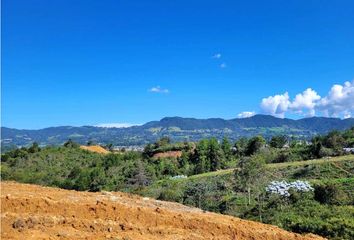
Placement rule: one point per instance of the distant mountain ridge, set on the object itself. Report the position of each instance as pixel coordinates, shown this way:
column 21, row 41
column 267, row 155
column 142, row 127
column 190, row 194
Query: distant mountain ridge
column 179, row 129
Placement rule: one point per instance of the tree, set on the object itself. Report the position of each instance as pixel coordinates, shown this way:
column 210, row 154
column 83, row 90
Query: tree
column 163, row 142
column 97, row 179
column 278, row 141
column 82, row 182
column 168, row 167
column 71, row 144
column 335, row 141
column 316, row 146
column 109, row 147
column 197, row 192
column 254, row 145
column 148, row 150
column 250, row 172
column 349, row 137
column 199, row 158
column 329, row 194
column 34, row 148
column 226, row 148
column 214, row 155
column 183, row 163
column 241, row 146
column 74, row 173
column 140, row 177
column 111, row 160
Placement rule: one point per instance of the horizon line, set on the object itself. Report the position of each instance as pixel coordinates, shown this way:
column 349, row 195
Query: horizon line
column 137, row 125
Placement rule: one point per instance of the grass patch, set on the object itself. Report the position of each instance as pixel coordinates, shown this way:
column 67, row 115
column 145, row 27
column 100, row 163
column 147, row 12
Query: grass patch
column 280, row 165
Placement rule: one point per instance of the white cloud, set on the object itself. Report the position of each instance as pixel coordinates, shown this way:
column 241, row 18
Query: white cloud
column 246, row 114
column 276, row 105
column 339, row 102
column 223, row 65
column 217, row 56
column 116, row 125
column 305, row 101
column 347, row 115
column 158, row 89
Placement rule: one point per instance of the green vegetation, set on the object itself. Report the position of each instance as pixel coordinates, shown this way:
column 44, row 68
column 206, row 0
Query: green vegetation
column 327, row 211
column 225, row 177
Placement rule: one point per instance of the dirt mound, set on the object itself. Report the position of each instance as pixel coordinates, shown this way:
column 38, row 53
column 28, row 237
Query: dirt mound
column 172, row 154
column 35, row 212
column 96, row 148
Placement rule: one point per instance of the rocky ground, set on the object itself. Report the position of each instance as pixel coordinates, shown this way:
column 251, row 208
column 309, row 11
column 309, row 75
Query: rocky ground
column 35, row 212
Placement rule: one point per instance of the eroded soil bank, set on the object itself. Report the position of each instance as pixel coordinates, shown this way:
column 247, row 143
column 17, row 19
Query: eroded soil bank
column 35, row 212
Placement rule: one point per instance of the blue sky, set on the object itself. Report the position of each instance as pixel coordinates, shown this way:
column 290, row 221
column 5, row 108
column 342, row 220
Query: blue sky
column 93, row 62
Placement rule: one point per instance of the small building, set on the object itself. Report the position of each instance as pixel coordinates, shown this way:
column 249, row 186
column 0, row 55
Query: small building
column 348, row 150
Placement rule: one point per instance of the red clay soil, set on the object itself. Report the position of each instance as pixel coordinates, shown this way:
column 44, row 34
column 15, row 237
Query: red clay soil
column 35, row 212
column 173, row 154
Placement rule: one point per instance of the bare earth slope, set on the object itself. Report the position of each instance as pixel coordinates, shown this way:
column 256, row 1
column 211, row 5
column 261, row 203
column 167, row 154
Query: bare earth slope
column 35, row 212
column 96, row 148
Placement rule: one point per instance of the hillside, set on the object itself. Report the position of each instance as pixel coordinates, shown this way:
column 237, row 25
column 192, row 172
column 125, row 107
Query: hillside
column 316, row 178
column 179, row 129
column 284, row 165
column 332, row 218
column 34, row 212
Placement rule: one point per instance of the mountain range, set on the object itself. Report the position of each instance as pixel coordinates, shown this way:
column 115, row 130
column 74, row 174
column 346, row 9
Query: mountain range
column 178, row 129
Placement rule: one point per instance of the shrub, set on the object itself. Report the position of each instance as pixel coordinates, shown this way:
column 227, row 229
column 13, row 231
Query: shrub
column 330, row 194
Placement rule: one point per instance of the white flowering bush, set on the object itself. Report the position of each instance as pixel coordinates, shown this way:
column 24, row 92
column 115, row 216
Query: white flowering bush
column 178, row 177
column 282, row 188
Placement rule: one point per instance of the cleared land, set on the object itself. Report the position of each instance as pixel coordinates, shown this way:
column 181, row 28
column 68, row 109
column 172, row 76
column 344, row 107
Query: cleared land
column 35, row 212
column 96, row 148
column 281, row 165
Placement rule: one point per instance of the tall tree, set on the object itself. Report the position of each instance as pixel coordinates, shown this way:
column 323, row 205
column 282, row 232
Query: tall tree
column 316, row 146
column 250, row 172
column 254, row 145
column 140, row 177
column 215, row 156
column 241, row 146
column 199, row 158
column 226, row 148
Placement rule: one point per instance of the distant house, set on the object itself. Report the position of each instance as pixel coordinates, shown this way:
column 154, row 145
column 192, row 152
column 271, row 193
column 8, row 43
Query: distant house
column 129, row 148
column 286, row 146
column 348, row 150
